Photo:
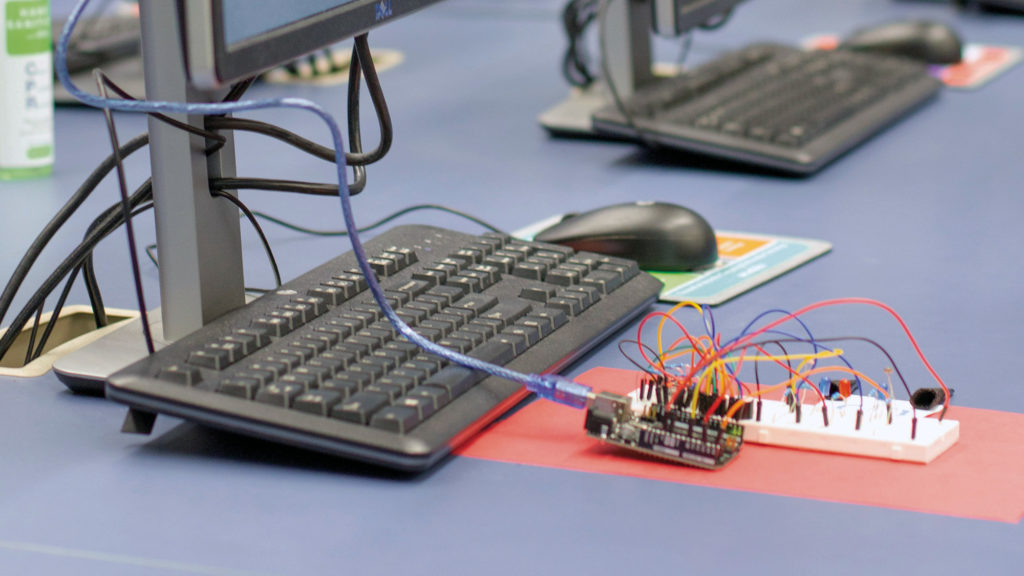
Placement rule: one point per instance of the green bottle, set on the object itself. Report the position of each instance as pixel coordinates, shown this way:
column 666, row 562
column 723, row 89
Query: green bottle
column 26, row 90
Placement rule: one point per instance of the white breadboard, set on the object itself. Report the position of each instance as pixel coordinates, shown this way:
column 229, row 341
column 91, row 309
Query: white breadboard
column 876, row 438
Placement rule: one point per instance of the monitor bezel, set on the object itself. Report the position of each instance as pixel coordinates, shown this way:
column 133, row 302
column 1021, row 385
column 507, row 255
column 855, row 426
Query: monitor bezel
column 213, row 64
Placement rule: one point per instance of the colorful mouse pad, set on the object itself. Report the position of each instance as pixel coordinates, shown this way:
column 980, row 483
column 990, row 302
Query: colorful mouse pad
column 980, row 64
column 979, row 477
column 745, row 261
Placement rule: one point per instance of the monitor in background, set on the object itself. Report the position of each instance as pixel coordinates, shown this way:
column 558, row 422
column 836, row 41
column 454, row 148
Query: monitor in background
column 626, row 38
column 675, row 17
column 192, row 51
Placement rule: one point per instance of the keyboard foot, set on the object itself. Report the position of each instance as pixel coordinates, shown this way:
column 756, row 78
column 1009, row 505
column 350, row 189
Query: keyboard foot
column 138, row 422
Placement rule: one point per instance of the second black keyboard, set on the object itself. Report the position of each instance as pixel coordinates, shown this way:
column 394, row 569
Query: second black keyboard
column 774, row 106
column 316, row 364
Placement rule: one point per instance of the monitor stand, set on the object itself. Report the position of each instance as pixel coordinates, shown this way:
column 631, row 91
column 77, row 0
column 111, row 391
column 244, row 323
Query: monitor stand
column 628, row 44
column 198, row 235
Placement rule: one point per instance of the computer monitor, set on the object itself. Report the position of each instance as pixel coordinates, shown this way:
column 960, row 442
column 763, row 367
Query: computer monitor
column 192, row 50
column 227, row 40
column 675, row 17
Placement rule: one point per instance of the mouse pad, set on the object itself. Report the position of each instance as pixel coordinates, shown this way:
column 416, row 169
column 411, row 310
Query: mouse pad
column 745, row 261
column 989, row 453
column 980, row 64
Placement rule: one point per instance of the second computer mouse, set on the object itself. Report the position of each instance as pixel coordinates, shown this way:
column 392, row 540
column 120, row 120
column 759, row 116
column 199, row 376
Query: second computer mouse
column 924, row 40
column 659, row 236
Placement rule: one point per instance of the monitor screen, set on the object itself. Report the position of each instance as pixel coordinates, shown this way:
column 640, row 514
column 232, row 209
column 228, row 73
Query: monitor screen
column 227, row 40
column 674, row 17
column 241, row 22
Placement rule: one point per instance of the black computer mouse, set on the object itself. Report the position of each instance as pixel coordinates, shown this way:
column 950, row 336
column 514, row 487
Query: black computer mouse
column 924, row 40
column 659, row 236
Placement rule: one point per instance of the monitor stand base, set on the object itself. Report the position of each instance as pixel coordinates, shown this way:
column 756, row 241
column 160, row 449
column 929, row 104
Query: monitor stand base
column 85, row 371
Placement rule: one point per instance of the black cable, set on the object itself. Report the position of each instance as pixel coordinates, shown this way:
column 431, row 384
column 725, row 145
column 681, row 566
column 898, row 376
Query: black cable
column 380, row 222
column 626, row 355
column 259, row 230
column 53, row 317
column 32, row 334
column 577, row 16
column 74, row 259
column 311, row 188
column 380, row 105
column 105, row 83
column 267, row 129
column 92, row 290
column 75, row 202
column 757, row 374
column 355, row 136
column 59, row 219
column 126, row 210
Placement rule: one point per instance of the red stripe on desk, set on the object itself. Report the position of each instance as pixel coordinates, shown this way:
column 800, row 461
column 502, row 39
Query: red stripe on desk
column 981, row 476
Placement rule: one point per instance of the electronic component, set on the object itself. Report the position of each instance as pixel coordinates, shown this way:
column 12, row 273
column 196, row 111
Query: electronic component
column 929, row 398
column 642, row 424
column 879, row 429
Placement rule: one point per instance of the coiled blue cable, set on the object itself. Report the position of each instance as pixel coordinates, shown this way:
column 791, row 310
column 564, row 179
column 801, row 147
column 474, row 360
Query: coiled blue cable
column 549, row 386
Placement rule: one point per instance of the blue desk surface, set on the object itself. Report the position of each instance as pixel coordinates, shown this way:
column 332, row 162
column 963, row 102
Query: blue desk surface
column 924, row 217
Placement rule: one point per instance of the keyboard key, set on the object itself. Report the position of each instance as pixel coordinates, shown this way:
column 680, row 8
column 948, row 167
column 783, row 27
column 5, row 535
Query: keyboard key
column 457, row 344
column 347, row 383
column 279, row 394
column 239, row 387
column 403, row 383
column 317, row 306
column 569, row 306
column 530, row 270
column 181, row 374
column 360, row 407
column 495, row 352
column 383, row 266
column 517, row 342
column 400, row 419
column 208, row 358
column 603, row 280
column 423, row 405
column 318, row 402
column 537, row 293
column 437, row 396
column 557, row 318
column 431, row 277
column 455, row 380
column 306, row 381
column 450, row 294
column 508, row 312
column 392, row 391
column 276, row 327
column 404, row 256
column 249, row 340
column 332, row 295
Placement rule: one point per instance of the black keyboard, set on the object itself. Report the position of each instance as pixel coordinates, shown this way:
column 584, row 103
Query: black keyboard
column 316, row 364
column 775, row 106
